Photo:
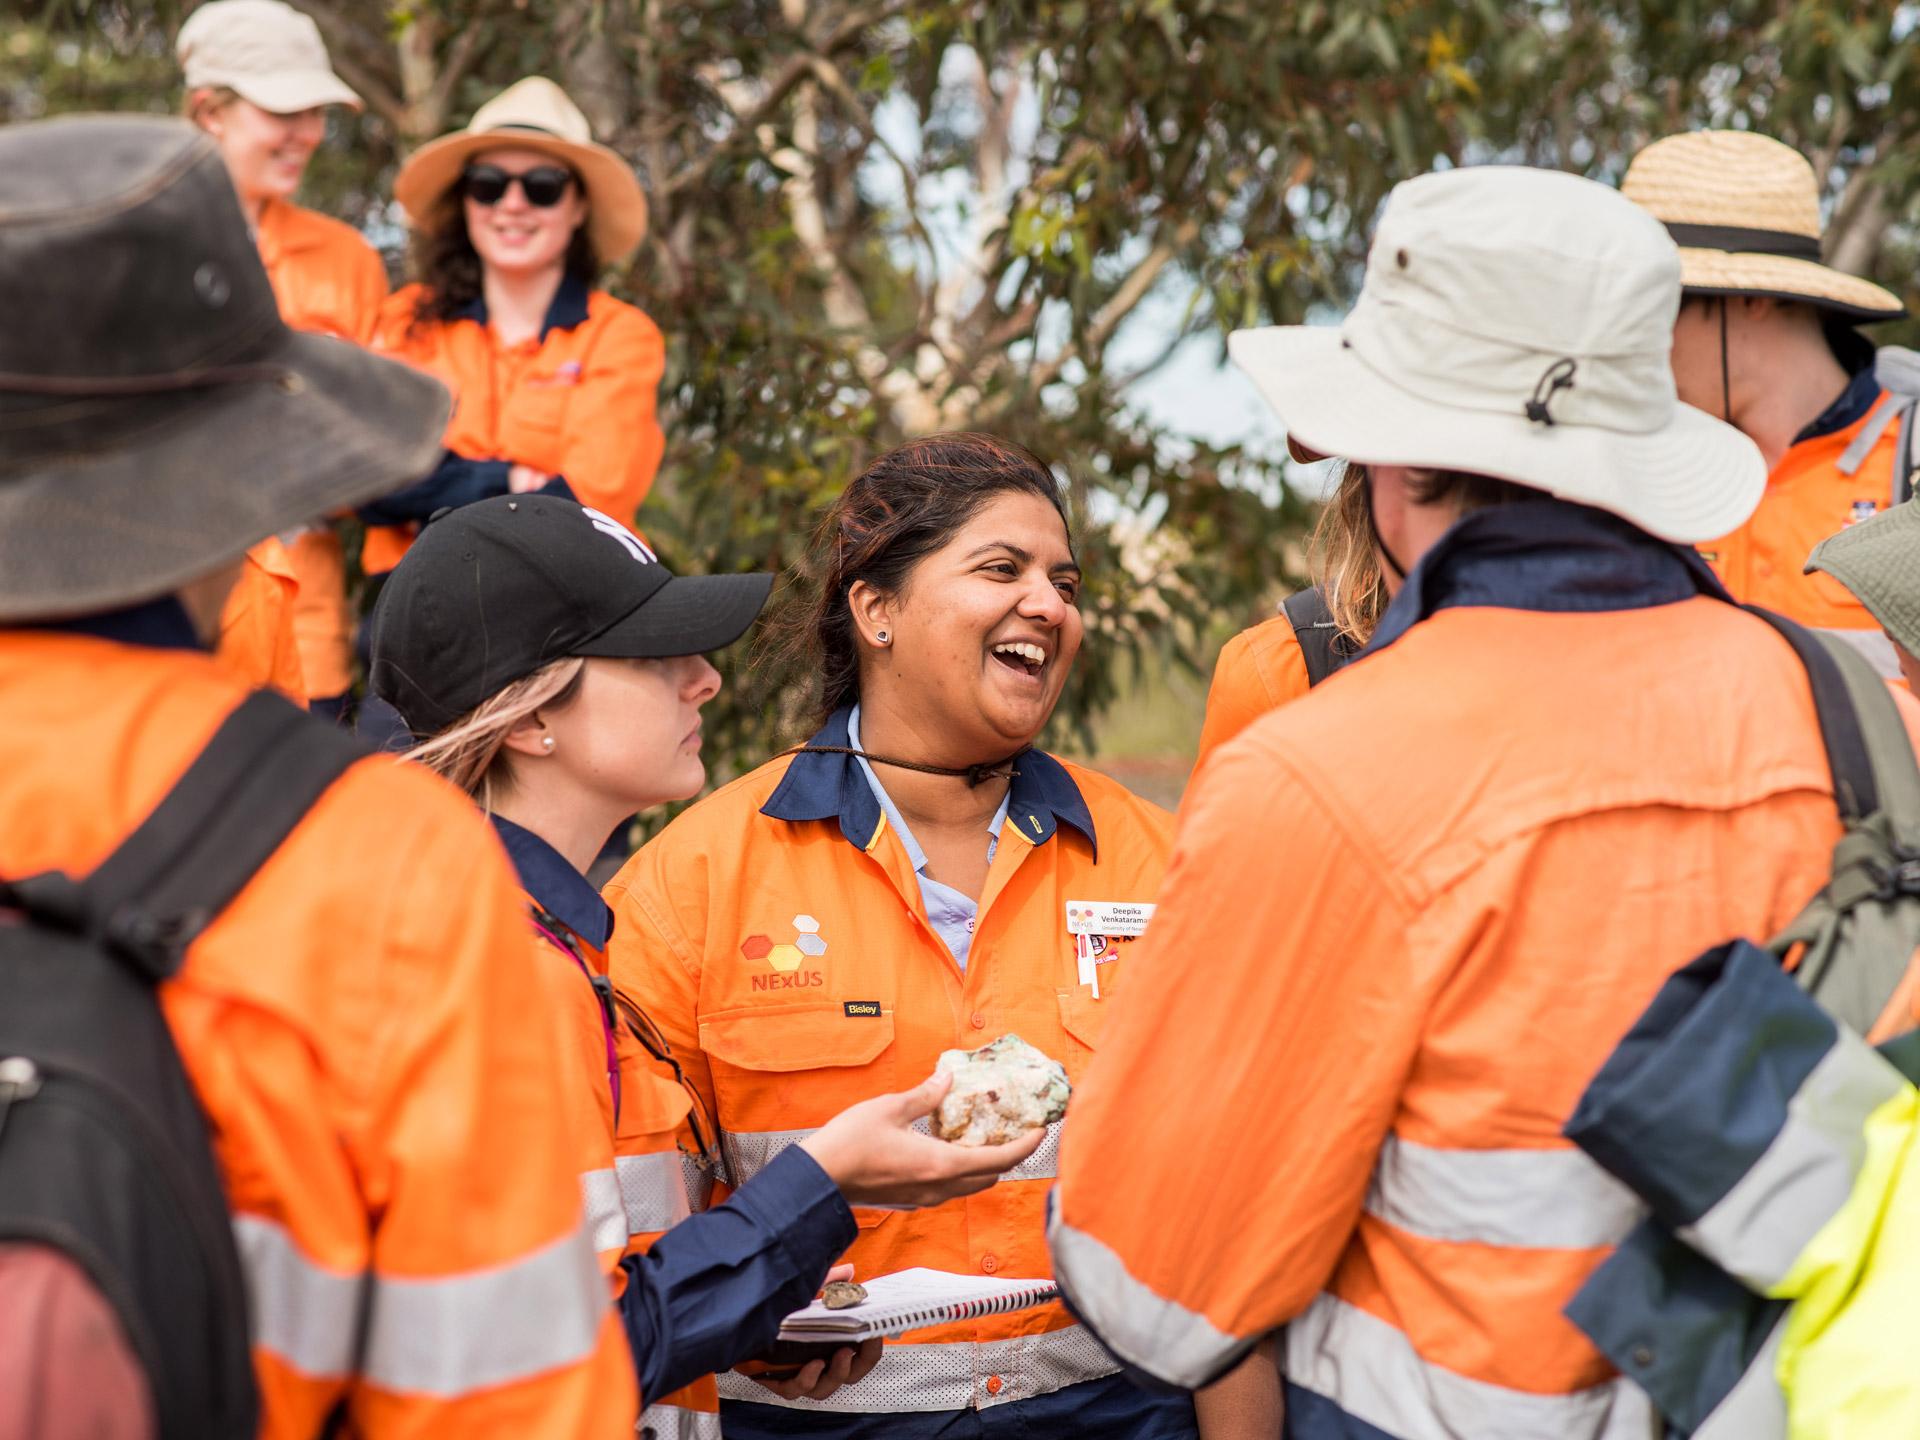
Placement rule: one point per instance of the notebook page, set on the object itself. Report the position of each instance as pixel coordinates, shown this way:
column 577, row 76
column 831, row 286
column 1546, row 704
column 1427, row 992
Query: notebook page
column 908, row 1299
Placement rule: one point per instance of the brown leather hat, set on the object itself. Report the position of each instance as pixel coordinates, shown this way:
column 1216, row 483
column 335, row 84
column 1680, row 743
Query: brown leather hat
column 156, row 416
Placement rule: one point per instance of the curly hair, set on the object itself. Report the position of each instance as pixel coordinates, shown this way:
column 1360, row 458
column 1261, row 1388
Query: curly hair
column 450, row 271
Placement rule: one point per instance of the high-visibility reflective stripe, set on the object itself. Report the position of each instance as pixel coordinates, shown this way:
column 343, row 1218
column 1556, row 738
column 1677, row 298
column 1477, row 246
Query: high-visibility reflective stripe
column 606, row 1221
column 1759, row 1227
column 1371, row 1371
column 751, row 1151
column 1147, row 1330
column 305, row 1314
column 698, row 1183
column 954, row 1376
column 674, row 1422
column 1755, row 1408
column 652, row 1192
column 1872, row 643
column 449, row 1336
column 1534, row 1199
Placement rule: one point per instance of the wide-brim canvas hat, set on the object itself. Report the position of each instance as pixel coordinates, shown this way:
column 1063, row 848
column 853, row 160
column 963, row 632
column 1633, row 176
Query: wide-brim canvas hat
column 157, row 417
column 1878, row 559
column 1745, row 211
column 266, row 52
column 534, row 114
column 1515, row 323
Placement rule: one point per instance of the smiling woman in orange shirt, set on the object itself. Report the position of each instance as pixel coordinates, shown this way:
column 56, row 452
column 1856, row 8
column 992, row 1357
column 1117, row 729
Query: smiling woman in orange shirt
column 554, row 381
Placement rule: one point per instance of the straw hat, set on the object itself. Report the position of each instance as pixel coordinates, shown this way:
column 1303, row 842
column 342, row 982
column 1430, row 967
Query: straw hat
column 157, row 418
column 1515, row 323
column 534, row 114
column 267, row 53
column 1745, row 212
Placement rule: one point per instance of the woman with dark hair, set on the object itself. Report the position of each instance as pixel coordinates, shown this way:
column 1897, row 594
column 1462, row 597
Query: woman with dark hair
column 554, row 381
column 916, row 878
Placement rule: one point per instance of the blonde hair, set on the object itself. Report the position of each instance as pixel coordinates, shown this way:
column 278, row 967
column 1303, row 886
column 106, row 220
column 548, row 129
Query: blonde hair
column 471, row 751
column 1343, row 559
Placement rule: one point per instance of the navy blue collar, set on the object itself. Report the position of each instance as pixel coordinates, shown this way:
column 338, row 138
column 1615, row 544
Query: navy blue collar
column 161, row 624
column 832, row 787
column 1853, row 404
column 556, row 887
column 568, row 310
column 1550, row 555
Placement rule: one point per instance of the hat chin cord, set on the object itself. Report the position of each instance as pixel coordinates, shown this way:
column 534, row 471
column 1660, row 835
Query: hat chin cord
column 1726, row 384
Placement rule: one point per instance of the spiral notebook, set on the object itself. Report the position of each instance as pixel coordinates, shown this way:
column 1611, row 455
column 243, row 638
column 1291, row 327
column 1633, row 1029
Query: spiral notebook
column 911, row 1299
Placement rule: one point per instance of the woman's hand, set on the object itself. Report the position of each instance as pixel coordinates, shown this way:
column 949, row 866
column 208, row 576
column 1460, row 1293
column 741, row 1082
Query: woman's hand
column 524, row 480
column 873, row 1154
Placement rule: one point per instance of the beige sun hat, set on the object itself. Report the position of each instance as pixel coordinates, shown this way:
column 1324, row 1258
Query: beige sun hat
column 267, row 53
column 534, row 114
column 1745, row 212
column 1515, row 323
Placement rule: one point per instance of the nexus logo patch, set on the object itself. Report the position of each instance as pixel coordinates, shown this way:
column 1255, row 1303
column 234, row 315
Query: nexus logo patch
column 870, row 1008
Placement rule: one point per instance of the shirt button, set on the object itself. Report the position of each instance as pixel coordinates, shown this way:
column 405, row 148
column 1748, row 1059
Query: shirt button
column 970, row 924
column 995, row 1384
column 989, row 1263
column 977, row 1020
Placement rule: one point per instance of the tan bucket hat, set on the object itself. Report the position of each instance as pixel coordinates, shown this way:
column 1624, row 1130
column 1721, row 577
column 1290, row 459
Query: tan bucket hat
column 1516, row 323
column 265, row 52
column 1745, row 212
column 534, row 114
column 1878, row 559
column 157, row 417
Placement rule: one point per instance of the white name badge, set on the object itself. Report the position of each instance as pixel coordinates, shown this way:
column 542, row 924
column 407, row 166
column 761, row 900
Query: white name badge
column 1126, row 919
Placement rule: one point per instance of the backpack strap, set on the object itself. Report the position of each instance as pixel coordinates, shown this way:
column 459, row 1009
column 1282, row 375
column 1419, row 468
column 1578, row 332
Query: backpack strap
column 1313, row 626
column 1862, row 929
column 241, row 797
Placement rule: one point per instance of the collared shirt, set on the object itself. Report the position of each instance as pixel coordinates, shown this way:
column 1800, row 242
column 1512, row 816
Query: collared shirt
column 556, row 887
column 951, row 912
column 1849, row 406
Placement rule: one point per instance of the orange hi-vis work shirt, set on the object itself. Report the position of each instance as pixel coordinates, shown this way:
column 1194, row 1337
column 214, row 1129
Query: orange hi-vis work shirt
column 578, row 402
column 1431, row 899
column 256, row 624
column 778, row 934
column 1260, row 669
column 328, row 280
column 635, row 1180
column 1830, row 477
column 365, row 1036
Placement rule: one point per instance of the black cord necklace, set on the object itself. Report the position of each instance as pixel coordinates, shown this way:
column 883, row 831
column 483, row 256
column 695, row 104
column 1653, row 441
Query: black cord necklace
column 974, row 775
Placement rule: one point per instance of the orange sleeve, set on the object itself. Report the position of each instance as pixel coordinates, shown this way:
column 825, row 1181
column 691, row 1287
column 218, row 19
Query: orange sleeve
column 367, row 290
column 1217, row 1154
column 613, row 442
column 488, row 1313
column 257, row 640
column 1259, row 669
column 650, row 957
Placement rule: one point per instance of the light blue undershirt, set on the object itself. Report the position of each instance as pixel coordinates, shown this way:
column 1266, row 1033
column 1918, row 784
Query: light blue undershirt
column 950, row 911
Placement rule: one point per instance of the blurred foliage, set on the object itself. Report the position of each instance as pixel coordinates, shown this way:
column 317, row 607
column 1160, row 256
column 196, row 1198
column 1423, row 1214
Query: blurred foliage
column 874, row 217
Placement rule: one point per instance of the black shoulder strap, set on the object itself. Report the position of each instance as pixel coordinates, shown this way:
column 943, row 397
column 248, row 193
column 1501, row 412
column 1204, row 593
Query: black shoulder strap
column 1855, row 790
column 257, row 777
column 1314, row 627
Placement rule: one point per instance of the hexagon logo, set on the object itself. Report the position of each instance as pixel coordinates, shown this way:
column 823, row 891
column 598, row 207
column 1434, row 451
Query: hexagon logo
column 806, row 924
column 755, row 947
column 811, row 945
column 785, row 958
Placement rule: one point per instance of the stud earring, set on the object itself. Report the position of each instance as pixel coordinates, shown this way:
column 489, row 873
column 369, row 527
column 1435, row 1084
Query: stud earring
column 546, row 742
column 881, row 637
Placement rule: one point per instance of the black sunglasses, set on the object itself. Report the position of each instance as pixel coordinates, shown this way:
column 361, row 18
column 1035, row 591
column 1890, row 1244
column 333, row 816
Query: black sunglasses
column 544, row 185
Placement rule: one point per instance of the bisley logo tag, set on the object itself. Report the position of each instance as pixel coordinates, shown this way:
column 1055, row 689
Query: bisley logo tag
column 867, row 1008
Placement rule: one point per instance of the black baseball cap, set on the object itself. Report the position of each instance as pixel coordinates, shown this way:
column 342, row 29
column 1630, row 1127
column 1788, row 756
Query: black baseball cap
column 493, row 591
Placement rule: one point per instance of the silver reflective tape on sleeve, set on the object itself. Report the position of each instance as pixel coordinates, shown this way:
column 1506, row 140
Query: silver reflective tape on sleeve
column 1759, row 1227
column 1530, row 1199
column 1756, row 1407
column 954, row 1375
column 452, row 1335
column 1873, row 644
column 1142, row 1327
column 1371, row 1371
column 653, row 1192
column 674, row 1422
column 307, row 1315
column 606, row 1221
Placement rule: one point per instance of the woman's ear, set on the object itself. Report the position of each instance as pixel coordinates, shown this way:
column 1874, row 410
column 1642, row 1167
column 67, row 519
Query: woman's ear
column 872, row 612
column 529, row 736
